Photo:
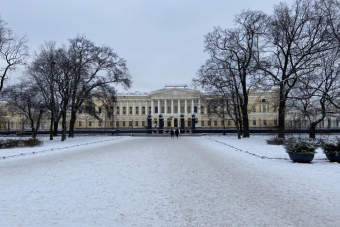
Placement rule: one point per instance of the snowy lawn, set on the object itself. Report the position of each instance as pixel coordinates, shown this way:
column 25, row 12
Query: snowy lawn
column 52, row 145
column 258, row 146
column 150, row 181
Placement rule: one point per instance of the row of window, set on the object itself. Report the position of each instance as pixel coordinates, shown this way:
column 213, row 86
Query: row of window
column 156, row 110
column 261, row 109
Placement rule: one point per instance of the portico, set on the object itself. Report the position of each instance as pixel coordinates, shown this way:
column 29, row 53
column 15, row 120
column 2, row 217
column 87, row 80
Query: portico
column 171, row 102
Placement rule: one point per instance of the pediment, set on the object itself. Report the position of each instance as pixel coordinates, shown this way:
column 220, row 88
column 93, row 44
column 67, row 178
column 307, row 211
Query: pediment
column 175, row 92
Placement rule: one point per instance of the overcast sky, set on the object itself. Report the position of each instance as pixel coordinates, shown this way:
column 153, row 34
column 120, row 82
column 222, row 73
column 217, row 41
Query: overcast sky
column 162, row 40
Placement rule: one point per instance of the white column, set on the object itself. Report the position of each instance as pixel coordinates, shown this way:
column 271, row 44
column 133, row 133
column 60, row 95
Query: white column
column 127, row 108
column 172, row 106
column 185, row 107
column 159, row 106
column 121, row 108
column 140, row 108
column 165, row 107
column 133, row 108
column 179, row 107
column 192, row 106
column 152, row 107
column 199, row 106
column 146, row 108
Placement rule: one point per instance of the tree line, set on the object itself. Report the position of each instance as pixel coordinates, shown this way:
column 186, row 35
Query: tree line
column 293, row 51
column 60, row 79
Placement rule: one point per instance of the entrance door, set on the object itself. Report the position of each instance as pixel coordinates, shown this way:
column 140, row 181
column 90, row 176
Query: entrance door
column 175, row 122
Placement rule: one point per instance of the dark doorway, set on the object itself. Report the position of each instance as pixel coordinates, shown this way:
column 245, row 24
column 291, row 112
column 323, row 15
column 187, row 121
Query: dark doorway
column 175, row 122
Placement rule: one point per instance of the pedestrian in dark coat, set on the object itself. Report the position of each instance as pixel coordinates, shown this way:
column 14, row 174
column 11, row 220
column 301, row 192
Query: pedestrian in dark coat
column 177, row 132
column 172, row 132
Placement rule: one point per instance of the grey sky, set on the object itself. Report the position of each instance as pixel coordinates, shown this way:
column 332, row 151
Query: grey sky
column 162, row 40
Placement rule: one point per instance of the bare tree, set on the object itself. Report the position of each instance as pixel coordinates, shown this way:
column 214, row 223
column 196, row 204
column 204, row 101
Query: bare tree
column 43, row 72
column 237, row 48
column 92, row 67
column 222, row 92
column 298, row 36
column 317, row 94
column 26, row 98
column 331, row 10
column 13, row 52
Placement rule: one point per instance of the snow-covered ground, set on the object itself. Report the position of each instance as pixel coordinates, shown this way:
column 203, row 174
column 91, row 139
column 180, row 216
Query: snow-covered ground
column 159, row 181
column 52, row 145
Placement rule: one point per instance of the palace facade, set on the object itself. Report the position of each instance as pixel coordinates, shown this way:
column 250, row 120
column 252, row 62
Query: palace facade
column 131, row 111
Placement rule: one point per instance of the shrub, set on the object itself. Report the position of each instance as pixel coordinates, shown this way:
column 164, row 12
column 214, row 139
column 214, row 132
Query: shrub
column 298, row 145
column 331, row 147
column 10, row 143
column 276, row 141
column 33, row 142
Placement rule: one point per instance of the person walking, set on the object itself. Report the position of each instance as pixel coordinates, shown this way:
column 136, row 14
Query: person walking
column 172, row 133
column 177, row 132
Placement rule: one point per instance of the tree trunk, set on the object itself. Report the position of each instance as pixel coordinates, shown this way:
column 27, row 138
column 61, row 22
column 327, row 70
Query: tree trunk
column 51, row 127
column 55, row 128
column 312, row 129
column 245, row 122
column 63, row 126
column 244, row 108
column 34, row 133
column 72, row 123
column 238, row 129
column 282, row 110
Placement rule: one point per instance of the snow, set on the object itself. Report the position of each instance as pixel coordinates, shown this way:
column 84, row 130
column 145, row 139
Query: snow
column 160, row 181
column 257, row 145
column 52, row 145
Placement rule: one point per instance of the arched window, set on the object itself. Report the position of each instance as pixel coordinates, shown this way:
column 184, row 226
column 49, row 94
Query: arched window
column 169, row 122
column 149, row 110
column 130, row 112
column 162, row 109
column 189, row 109
column 176, row 109
column 202, row 110
column 169, row 109
column 156, row 109
column 124, row 110
column 137, row 110
column 182, row 109
column 195, row 109
column 143, row 110
column 117, row 109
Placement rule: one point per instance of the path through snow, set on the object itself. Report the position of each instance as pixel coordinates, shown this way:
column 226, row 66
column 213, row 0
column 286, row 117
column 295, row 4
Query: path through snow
column 190, row 181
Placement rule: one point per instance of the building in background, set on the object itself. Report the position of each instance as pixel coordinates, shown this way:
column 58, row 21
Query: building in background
column 131, row 110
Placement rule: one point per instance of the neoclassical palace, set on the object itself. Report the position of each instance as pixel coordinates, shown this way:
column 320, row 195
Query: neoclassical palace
column 131, row 111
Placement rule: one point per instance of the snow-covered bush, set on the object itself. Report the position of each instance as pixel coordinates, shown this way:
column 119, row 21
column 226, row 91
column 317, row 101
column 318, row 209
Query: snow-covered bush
column 276, row 141
column 298, row 145
column 331, row 147
column 20, row 143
